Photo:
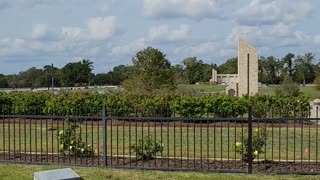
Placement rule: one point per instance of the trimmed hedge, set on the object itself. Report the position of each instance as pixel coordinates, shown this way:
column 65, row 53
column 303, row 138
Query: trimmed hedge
column 162, row 105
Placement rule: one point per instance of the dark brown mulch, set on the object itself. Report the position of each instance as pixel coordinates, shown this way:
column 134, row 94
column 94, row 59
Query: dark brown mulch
column 151, row 123
column 164, row 163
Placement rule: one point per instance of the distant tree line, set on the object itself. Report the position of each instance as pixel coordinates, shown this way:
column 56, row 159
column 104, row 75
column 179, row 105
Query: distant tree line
column 151, row 70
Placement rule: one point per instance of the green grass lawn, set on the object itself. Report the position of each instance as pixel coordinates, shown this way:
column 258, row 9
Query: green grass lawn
column 309, row 91
column 178, row 142
column 202, row 88
column 18, row 172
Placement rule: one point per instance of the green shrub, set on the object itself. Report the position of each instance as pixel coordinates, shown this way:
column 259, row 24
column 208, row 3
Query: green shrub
column 259, row 139
column 72, row 144
column 288, row 88
column 317, row 82
column 146, row 148
column 155, row 105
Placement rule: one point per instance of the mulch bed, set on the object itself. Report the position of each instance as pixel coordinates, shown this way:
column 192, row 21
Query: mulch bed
column 165, row 163
column 164, row 124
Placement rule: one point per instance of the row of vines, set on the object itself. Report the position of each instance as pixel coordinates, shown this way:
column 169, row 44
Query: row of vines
column 162, row 105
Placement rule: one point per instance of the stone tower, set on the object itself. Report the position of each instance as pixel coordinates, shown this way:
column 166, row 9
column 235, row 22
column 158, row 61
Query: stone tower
column 247, row 69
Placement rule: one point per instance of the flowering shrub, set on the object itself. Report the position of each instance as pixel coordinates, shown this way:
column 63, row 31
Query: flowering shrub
column 72, row 144
column 259, row 138
column 146, row 148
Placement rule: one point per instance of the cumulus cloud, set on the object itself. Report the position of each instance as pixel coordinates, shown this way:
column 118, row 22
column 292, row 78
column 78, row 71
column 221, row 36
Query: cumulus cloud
column 39, row 31
column 267, row 12
column 184, row 8
column 317, row 39
column 199, row 49
column 162, row 33
column 273, row 35
column 18, row 46
column 101, row 28
column 98, row 28
column 9, row 46
column 23, row 3
column 72, row 33
column 129, row 49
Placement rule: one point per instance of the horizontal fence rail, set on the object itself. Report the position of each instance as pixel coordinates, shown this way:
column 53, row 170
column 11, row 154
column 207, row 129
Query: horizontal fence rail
column 249, row 144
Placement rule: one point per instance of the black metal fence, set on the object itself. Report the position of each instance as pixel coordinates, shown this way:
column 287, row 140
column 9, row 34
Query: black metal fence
column 246, row 144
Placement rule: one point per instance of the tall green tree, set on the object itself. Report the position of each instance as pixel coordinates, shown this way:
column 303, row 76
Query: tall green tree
column 288, row 66
column 229, row 67
column 179, row 74
column 29, row 78
column 194, row 69
column 304, row 72
column 119, row 74
column 269, row 70
column 76, row 74
column 101, row 79
column 151, row 72
column 3, row 81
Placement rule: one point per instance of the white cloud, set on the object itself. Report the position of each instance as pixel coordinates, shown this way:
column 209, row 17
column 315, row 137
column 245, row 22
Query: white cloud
column 200, row 49
column 272, row 36
column 101, row 28
column 162, row 33
column 197, row 9
column 107, row 6
column 39, row 31
column 23, row 3
column 98, row 28
column 72, row 33
column 317, row 39
column 9, row 46
column 129, row 49
column 266, row 12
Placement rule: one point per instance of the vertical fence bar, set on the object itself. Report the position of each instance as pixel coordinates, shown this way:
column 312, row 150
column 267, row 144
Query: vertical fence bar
column 52, row 135
column 161, row 140
column 221, row 143
column 117, row 133
column 294, row 140
column 208, row 141
column 188, row 143
column 201, row 157
column 104, row 132
column 181, row 144
column 130, row 135
column 309, row 139
column 35, row 136
column 301, row 140
column 250, row 139
column 317, row 121
column 98, row 137
column 30, row 139
column 20, row 138
column 4, row 136
column 25, row 140
column 279, row 138
column 41, row 138
column 14, row 139
column 9, row 145
column 174, row 143
column 228, row 136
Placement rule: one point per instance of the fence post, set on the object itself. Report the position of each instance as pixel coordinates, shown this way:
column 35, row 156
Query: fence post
column 104, row 133
column 250, row 139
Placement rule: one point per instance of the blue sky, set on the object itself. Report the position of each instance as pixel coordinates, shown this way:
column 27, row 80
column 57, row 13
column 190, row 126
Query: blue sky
column 110, row 32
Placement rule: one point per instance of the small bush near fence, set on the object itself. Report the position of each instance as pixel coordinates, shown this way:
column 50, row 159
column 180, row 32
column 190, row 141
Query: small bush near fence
column 72, row 144
column 146, row 148
column 259, row 139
